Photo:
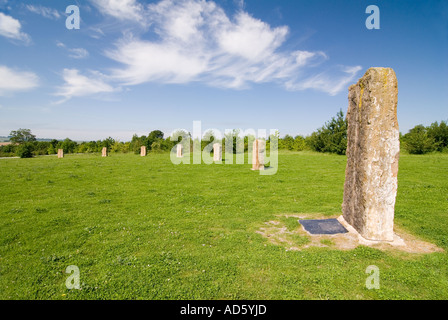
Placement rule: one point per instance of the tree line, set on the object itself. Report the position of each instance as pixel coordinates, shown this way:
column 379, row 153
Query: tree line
column 330, row 138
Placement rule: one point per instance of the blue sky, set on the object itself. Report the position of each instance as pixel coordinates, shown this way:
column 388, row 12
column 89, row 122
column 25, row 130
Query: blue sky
column 134, row 66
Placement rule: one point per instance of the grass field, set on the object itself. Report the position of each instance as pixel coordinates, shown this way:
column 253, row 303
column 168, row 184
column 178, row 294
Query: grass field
column 143, row 228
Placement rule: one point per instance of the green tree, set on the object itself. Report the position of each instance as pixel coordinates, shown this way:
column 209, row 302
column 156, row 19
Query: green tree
column 68, row 146
column 439, row 132
column 137, row 142
column 286, row 143
column 52, row 148
column 273, row 141
column 21, row 136
column 154, row 136
column 40, row 147
column 108, row 143
column 332, row 137
column 249, row 138
column 299, row 143
column 207, row 139
column 233, row 141
column 417, row 141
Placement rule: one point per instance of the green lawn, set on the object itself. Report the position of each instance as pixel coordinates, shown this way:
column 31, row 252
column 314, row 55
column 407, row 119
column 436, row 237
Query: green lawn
column 143, row 228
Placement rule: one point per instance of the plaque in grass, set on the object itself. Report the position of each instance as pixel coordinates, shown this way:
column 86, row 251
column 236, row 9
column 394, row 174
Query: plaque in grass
column 323, row 226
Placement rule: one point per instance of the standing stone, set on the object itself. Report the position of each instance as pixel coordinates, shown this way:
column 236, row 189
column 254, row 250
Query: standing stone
column 179, row 151
column 258, row 152
column 60, row 153
column 217, row 152
column 143, row 151
column 373, row 149
column 104, row 152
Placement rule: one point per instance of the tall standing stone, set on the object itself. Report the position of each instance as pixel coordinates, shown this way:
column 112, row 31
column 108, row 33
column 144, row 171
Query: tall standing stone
column 104, row 152
column 143, row 151
column 373, row 149
column 258, row 152
column 60, row 153
column 217, row 152
column 179, row 150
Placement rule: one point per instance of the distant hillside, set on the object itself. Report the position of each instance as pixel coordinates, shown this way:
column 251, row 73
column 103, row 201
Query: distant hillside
column 6, row 139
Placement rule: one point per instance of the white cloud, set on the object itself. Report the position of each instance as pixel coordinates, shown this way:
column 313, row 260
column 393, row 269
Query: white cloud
column 13, row 80
column 46, row 12
column 77, row 85
column 11, row 28
column 197, row 41
column 148, row 61
column 121, row 9
column 250, row 38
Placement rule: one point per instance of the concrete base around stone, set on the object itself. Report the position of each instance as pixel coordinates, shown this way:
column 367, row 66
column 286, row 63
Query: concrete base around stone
column 397, row 241
column 276, row 232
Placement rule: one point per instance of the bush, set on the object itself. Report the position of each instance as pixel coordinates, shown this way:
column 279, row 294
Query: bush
column 156, row 146
column 8, row 150
column 25, row 150
column 52, row 149
column 118, row 146
column 41, row 147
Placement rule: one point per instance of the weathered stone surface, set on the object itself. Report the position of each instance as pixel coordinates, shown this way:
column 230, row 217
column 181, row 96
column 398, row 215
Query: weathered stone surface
column 373, row 148
column 60, row 153
column 258, row 153
column 104, row 152
column 143, row 151
column 217, row 152
column 179, row 150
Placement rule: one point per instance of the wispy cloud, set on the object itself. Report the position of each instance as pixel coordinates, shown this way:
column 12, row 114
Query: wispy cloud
column 78, row 53
column 332, row 81
column 197, row 41
column 45, row 12
column 13, row 80
column 78, row 85
column 11, row 28
column 75, row 53
column 96, row 32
